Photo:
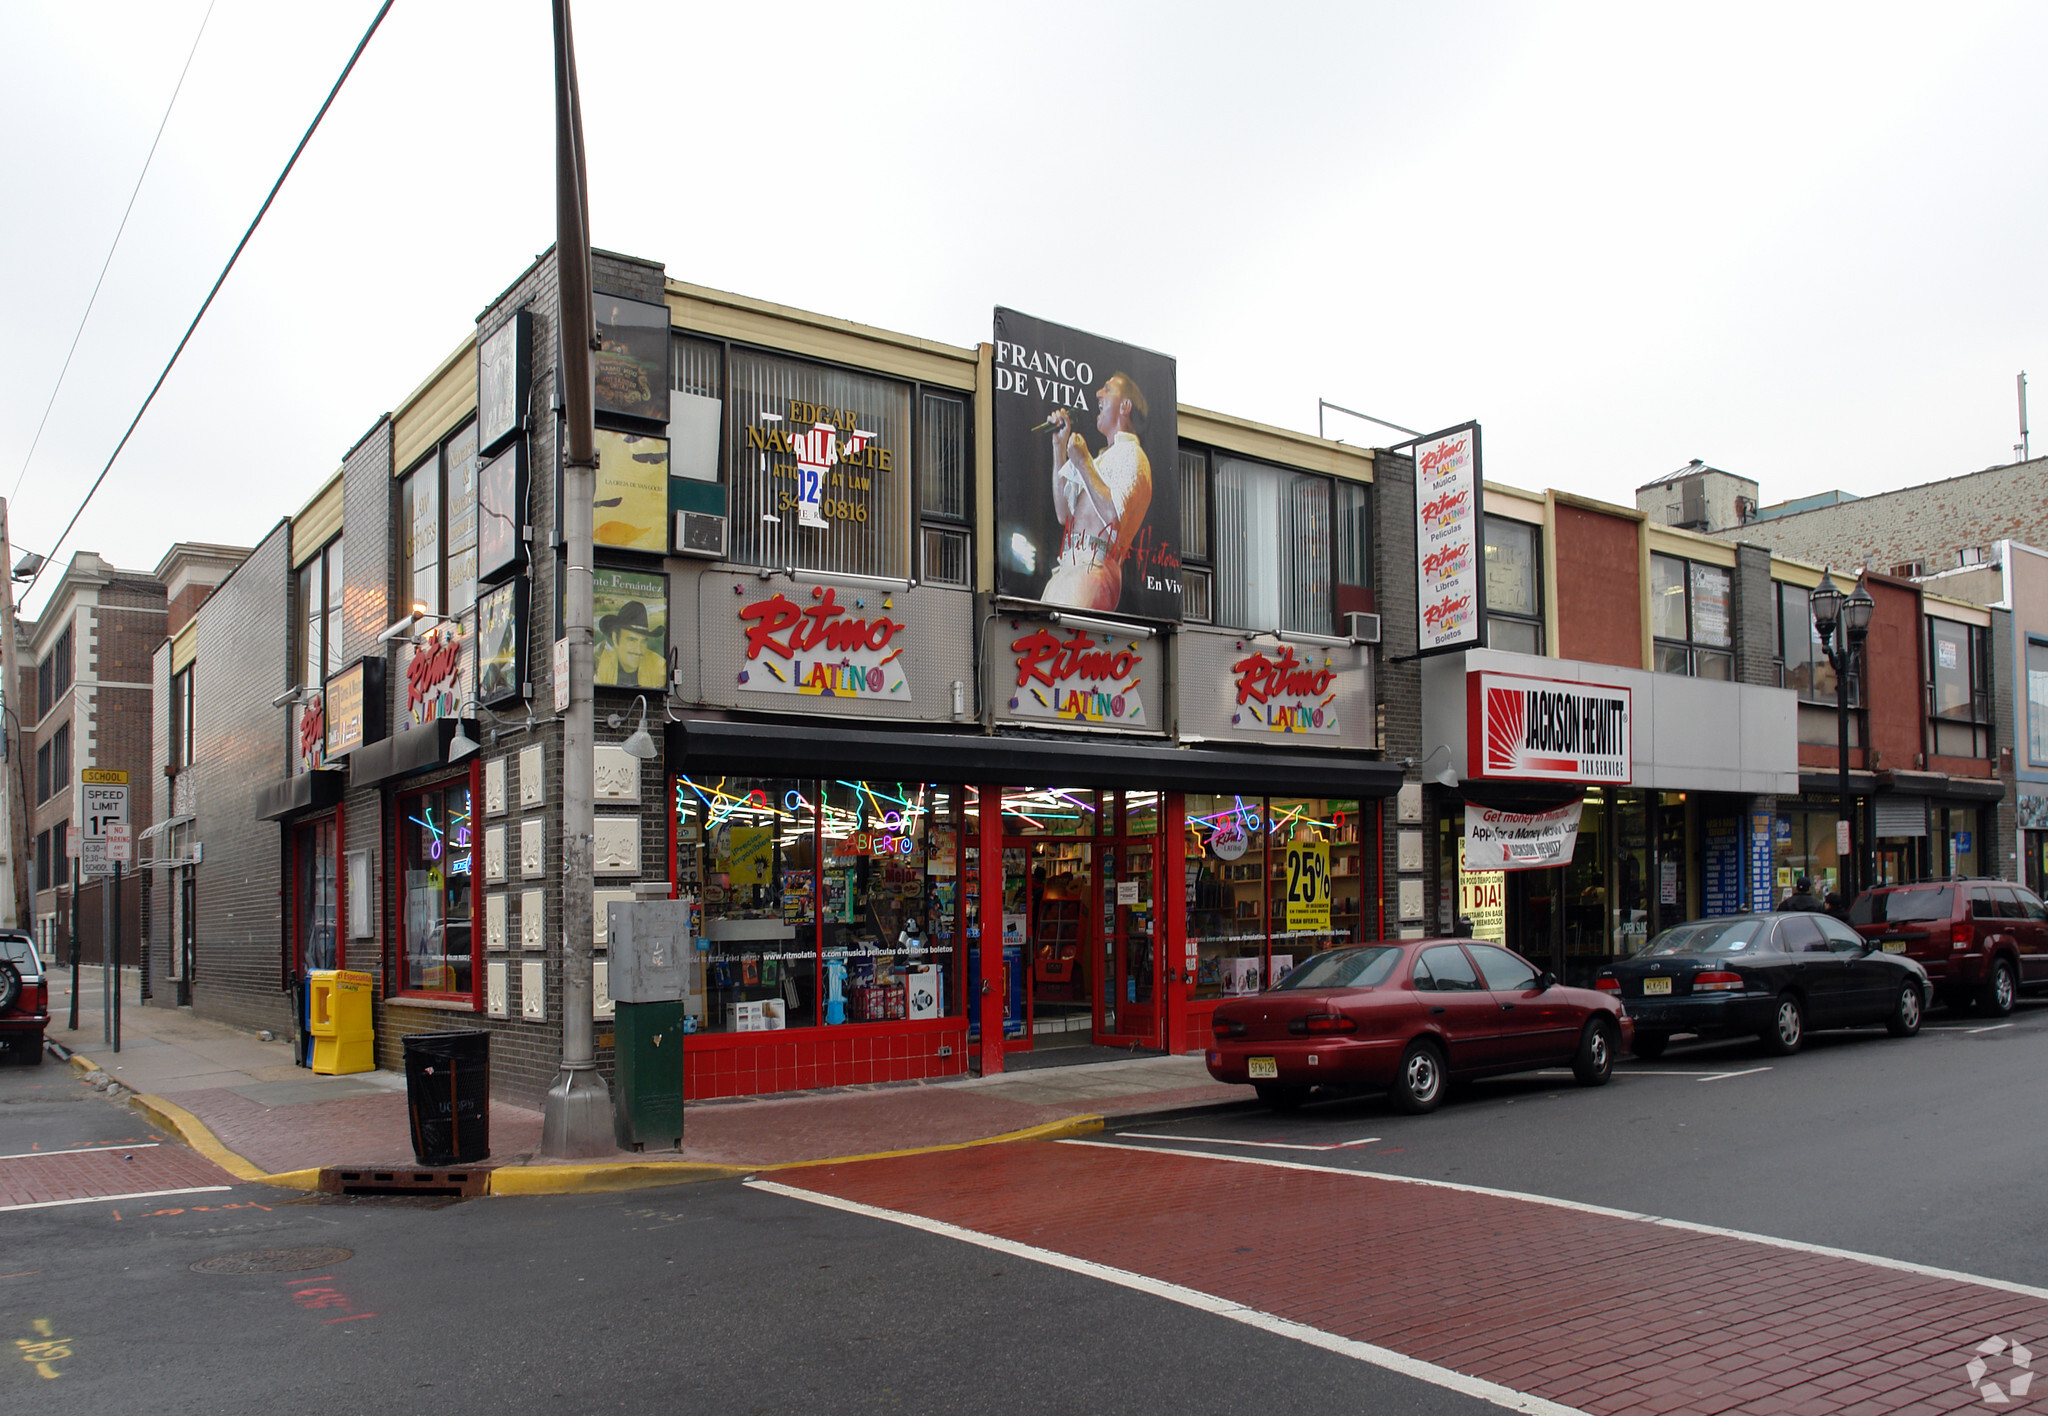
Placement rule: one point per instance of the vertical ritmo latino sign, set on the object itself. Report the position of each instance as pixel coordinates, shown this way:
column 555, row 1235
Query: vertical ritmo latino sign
column 1547, row 730
column 1449, row 552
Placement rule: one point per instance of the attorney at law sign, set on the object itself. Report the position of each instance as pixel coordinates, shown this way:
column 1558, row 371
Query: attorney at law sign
column 1519, row 840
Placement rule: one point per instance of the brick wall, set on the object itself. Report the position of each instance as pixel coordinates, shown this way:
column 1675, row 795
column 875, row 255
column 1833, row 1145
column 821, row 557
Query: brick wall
column 1599, row 588
column 240, row 744
column 1399, row 684
column 1928, row 522
column 1756, row 617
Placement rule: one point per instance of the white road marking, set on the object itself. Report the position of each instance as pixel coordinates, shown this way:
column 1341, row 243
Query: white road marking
column 1796, row 1246
column 103, row 1199
column 1236, row 1312
column 1993, row 1028
column 1658, row 1072
column 1262, row 1145
column 1724, row 1076
column 80, row 1150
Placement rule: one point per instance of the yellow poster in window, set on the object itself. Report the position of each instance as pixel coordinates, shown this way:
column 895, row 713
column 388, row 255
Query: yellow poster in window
column 1483, row 899
column 1308, row 886
column 752, row 847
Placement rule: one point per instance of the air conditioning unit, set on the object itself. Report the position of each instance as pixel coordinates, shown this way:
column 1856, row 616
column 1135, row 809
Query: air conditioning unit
column 700, row 533
column 1970, row 555
column 1363, row 627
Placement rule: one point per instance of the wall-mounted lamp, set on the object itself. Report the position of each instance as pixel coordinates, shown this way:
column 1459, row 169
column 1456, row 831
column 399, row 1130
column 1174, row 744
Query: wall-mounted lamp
column 639, row 744
column 1446, row 777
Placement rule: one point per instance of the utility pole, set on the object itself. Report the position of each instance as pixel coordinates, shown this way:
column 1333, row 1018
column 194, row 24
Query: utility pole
column 576, row 1120
column 13, row 800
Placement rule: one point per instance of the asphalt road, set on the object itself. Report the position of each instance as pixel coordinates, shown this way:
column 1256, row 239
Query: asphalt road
column 1928, row 1149
column 722, row 1297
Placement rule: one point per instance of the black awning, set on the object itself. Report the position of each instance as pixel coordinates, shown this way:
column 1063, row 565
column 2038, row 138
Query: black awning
column 309, row 791
column 1814, row 782
column 703, row 745
column 401, row 754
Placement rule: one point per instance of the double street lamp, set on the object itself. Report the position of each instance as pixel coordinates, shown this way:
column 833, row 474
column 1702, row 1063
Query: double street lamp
column 1842, row 621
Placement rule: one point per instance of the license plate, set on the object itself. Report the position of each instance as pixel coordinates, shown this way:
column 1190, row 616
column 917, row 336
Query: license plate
column 1656, row 985
column 1263, row 1068
column 1895, row 946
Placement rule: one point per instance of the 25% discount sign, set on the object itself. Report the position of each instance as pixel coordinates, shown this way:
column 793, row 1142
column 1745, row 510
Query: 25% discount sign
column 1308, row 885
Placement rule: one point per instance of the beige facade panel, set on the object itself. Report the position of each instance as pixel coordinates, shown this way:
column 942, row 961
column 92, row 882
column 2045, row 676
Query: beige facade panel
column 434, row 408
column 1297, row 450
column 1668, row 541
column 1515, row 504
column 722, row 315
column 185, row 645
column 318, row 524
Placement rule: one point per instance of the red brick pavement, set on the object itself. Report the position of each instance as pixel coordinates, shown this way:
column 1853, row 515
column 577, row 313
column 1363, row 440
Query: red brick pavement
column 350, row 1130
column 130, row 1170
column 1599, row 1312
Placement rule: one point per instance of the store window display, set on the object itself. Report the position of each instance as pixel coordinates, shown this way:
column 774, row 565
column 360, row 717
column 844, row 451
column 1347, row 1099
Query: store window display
column 884, row 909
column 434, row 846
column 747, row 849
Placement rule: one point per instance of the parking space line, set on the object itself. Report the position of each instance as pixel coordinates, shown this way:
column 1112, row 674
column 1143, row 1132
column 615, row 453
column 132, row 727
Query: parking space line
column 77, row 1150
column 1263, row 1145
column 1993, row 1028
column 104, row 1199
column 1221, row 1307
column 2003, row 1285
column 1724, row 1076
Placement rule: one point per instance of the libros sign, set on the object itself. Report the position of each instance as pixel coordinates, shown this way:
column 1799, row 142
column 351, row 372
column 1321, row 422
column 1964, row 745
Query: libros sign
column 822, row 651
column 1544, row 730
column 1284, row 695
column 1078, row 679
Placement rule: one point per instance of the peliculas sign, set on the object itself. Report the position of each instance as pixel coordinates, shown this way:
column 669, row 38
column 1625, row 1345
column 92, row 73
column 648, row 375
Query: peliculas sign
column 820, row 650
column 1283, row 694
column 1078, row 679
column 1546, row 730
column 1448, row 507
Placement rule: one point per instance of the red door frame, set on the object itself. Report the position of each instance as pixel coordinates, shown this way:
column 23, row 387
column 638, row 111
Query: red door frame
column 295, row 921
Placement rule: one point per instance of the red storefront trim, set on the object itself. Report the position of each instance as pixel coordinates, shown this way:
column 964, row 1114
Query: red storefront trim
column 803, row 1059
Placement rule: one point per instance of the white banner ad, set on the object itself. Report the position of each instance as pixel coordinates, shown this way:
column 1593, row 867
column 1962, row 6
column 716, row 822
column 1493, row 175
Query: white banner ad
column 1520, row 840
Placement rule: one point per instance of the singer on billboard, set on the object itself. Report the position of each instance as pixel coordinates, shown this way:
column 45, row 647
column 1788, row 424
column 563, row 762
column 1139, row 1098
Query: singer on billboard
column 1100, row 500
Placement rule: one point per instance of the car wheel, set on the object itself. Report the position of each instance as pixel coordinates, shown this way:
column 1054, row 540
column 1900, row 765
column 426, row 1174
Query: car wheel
column 1999, row 990
column 1279, row 1097
column 1419, row 1080
column 1649, row 1046
column 10, row 985
column 1788, row 1026
column 1905, row 1016
column 1595, row 1062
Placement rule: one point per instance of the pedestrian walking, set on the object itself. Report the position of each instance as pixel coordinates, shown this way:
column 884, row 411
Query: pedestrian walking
column 1802, row 898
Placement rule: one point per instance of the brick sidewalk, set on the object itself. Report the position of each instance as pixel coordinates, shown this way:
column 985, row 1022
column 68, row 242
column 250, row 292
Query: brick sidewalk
column 123, row 1170
column 1599, row 1312
column 282, row 1117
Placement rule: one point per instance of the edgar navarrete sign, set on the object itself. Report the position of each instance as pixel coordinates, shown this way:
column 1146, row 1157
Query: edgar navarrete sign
column 1087, row 471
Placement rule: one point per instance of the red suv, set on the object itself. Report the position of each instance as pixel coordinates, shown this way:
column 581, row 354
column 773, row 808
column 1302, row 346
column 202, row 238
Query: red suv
column 1981, row 941
column 24, row 997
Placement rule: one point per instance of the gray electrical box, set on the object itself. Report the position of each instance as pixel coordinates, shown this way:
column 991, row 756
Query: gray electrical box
column 649, row 949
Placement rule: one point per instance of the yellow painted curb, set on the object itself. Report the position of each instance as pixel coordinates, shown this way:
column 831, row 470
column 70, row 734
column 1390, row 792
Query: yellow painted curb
column 597, row 1178
column 192, row 1131
column 1044, row 1131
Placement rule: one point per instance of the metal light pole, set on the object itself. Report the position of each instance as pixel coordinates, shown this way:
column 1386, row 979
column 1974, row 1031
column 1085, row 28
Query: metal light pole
column 576, row 1120
column 1842, row 622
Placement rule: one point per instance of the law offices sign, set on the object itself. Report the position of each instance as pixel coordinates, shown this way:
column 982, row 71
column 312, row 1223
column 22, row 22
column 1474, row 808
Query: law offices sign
column 1547, row 730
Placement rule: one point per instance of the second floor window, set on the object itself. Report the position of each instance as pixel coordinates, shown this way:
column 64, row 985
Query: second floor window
column 944, row 508
column 437, row 528
column 181, row 716
column 60, row 760
column 319, row 616
column 43, row 773
column 43, row 861
column 1514, row 580
column 2037, row 702
column 1959, row 688
column 1272, row 547
column 53, row 675
column 1689, row 619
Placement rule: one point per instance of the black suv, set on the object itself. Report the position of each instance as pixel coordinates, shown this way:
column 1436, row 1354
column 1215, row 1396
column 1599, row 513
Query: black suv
column 1981, row 941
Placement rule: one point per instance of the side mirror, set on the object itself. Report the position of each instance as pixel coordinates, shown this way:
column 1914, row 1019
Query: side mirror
column 1545, row 980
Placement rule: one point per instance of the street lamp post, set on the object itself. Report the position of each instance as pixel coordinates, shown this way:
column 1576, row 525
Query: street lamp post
column 1842, row 621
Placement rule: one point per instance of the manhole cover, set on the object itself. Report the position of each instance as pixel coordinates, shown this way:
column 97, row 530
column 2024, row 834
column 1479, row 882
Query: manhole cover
column 273, row 1260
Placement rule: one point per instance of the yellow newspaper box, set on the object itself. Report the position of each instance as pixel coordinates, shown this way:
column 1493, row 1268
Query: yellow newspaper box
column 338, row 1016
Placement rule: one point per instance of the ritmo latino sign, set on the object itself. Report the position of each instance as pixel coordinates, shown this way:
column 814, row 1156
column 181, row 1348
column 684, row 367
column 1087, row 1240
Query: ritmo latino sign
column 1545, row 730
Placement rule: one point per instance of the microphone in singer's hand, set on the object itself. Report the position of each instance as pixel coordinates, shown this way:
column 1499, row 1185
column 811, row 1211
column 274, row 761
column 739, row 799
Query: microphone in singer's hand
column 1048, row 423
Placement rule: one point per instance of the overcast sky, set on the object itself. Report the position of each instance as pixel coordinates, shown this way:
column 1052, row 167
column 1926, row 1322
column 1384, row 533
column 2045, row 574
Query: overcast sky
column 1801, row 243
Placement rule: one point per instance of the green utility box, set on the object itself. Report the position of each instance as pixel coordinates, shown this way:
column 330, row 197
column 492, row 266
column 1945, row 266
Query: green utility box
column 647, row 1098
column 648, row 942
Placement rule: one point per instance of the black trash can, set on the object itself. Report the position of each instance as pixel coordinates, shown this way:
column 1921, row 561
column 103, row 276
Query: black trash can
column 448, row 1096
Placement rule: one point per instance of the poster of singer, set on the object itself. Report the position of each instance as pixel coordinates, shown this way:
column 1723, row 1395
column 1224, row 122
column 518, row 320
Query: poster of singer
column 1087, row 471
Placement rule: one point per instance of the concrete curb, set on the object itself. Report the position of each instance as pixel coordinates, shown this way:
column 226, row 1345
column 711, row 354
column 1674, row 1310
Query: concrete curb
column 1182, row 1113
column 598, row 1177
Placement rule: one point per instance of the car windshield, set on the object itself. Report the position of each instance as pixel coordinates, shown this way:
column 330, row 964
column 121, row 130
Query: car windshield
column 1343, row 968
column 1914, row 904
column 18, row 951
column 1718, row 936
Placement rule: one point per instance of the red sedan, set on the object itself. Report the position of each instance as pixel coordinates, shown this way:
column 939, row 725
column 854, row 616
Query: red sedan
column 1407, row 1016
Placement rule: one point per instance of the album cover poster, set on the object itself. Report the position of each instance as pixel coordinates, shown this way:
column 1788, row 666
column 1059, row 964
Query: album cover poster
column 631, row 361
column 1087, row 471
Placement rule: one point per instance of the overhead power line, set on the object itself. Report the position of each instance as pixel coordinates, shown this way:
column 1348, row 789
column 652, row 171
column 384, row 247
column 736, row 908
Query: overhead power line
column 190, row 329
column 125, row 212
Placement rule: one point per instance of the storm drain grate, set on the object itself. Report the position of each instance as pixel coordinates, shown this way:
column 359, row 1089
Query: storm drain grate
column 274, row 1260
column 463, row 1182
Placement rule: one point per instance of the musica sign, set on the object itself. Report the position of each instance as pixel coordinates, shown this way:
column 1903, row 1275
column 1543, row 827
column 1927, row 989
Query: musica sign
column 1546, row 730
column 1449, row 505
column 822, row 651
column 1078, row 679
column 1278, row 693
